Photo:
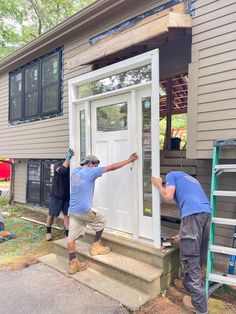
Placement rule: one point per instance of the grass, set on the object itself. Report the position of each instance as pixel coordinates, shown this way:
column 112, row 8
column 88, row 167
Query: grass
column 19, row 252
column 4, row 184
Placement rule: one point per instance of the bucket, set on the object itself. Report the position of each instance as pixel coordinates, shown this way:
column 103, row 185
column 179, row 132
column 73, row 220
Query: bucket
column 175, row 143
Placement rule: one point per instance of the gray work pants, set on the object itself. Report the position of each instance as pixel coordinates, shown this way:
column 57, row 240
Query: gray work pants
column 194, row 238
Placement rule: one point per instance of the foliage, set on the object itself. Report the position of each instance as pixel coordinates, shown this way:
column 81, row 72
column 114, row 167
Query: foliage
column 177, row 122
column 23, row 20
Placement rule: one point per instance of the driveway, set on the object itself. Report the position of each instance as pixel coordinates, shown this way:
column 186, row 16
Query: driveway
column 40, row 289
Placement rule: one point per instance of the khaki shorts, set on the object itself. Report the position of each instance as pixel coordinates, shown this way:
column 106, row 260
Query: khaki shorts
column 77, row 223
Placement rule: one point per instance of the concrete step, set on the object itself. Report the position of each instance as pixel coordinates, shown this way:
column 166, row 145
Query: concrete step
column 130, row 297
column 130, row 271
column 167, row 259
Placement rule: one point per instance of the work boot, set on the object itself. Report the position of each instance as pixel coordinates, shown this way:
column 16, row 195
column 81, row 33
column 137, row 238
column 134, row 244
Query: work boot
column 189, row 306
column 49, row 237
column 75, row 266
column 99, row 249
column 178, row 284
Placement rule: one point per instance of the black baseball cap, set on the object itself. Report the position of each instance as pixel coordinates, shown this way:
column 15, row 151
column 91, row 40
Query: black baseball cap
column 90, row 158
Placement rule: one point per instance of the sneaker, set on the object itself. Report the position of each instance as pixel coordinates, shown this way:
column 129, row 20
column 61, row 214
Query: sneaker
column 75, row 266
column 49, row 237
column 188, row 305
column 178, row 284
column 99, row 249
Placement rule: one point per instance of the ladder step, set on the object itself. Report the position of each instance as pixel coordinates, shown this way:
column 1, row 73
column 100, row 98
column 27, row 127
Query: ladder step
column 224, row 221
column 223, row 249
column 224, row 193
column 228, row 280
column 225, row 168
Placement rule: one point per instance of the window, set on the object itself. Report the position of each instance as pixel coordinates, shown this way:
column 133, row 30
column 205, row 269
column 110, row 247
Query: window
column 82, row 135
column 147, row 156
column 39, row 181
column 112, row 118
column 35, row 89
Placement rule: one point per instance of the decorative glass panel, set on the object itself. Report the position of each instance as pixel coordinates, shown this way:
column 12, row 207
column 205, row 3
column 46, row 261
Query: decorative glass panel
column 112, row 118
column 31, row 104
column 147, row 157
column 50, row 69
column 116, row 81
column 50, row 99
column 82, row 135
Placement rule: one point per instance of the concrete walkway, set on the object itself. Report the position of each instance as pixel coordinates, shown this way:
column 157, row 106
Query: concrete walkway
column 39, row 289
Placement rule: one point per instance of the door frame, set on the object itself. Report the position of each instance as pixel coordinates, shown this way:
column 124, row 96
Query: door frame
column 152, row 58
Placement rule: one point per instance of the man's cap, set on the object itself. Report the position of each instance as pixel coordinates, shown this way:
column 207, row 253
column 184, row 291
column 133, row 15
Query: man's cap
column 90, row 158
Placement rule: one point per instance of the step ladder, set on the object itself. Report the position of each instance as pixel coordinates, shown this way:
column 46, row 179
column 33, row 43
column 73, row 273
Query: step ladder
column 215, row 280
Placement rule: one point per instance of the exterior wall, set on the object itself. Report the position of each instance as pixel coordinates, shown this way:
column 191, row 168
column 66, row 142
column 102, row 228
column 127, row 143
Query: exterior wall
column 212, row 79
column 20, row 180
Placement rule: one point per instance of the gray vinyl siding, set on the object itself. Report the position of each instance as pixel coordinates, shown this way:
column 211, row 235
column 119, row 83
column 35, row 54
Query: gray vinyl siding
column 20, row 181
column 212, row 110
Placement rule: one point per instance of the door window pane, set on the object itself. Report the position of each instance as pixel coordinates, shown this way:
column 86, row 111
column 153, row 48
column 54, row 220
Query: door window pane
column 116, row 81
column 48, row 172
column 147, row 156
column 112, row 118
column 82, row 135
column 34, row 176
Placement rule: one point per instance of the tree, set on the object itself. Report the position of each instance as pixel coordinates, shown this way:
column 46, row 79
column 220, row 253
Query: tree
column 23, row 20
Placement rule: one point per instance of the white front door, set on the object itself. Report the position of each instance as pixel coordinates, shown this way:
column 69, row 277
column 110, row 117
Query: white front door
column 112, row 134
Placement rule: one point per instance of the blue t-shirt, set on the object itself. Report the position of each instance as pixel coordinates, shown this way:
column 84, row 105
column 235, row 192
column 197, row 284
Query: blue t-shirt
column 189, row 194
column 82, row 188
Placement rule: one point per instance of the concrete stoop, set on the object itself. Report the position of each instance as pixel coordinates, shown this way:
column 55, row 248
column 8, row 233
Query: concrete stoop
column 131, row 273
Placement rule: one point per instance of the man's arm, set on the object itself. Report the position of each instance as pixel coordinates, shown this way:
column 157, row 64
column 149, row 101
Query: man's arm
column 121, row 164
column 66, row 164
column 166, row 192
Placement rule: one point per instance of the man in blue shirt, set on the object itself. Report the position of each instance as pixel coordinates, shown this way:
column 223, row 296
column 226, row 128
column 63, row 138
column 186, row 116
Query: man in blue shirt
column 81, row 211
column 195, row 214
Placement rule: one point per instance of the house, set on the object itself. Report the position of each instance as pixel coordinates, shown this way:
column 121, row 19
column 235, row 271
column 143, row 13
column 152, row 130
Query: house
column 92, row 82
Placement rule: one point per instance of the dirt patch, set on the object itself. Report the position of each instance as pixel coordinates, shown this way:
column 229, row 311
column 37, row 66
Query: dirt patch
column 30, row 242
column 161, row 305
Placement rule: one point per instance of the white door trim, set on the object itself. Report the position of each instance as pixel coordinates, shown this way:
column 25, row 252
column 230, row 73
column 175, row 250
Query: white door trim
column 151, row 57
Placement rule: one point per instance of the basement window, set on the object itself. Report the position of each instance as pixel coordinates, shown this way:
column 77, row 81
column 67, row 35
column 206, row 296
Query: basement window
column 35, row 89
column 39, row 180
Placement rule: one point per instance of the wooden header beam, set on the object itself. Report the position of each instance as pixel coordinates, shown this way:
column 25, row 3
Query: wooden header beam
column 146, row 29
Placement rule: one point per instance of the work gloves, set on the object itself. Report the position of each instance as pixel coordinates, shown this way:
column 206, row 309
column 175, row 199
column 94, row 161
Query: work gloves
column 70, row 154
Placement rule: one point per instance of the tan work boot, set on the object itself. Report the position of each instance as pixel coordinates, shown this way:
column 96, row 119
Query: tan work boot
column 75, row 266
column 49, row 237
column 189, row 306
column 99, row 249
column 178, row 284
